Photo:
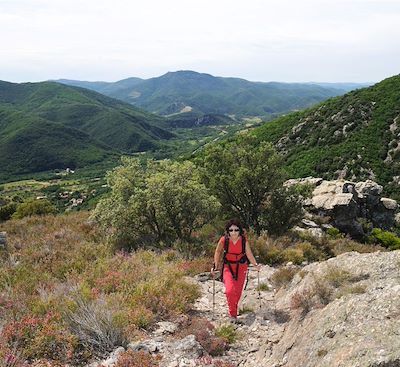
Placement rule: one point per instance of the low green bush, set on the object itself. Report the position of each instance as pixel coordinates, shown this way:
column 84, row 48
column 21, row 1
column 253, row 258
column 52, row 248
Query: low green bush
column 34, row 207
column 385, row 238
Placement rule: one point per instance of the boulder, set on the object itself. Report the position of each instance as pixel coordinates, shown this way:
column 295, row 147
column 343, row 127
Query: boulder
column 357, row 326
column 346, row 202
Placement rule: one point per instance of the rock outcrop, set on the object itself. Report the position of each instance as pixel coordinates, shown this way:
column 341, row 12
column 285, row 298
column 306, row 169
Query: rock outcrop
column 347, row 204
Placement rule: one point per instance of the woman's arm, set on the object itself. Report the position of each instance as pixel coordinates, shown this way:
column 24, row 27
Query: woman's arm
column 251, row 257
column 217, row 254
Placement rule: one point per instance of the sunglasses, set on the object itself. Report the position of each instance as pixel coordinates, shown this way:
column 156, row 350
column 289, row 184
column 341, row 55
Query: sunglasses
column 234, row 230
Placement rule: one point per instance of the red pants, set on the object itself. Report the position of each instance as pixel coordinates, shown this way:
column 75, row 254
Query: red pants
column 234, row 288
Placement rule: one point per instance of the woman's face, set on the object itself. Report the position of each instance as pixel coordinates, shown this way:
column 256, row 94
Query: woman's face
column 233, row 231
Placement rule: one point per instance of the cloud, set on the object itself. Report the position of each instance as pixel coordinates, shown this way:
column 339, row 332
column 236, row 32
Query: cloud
column 275, row 39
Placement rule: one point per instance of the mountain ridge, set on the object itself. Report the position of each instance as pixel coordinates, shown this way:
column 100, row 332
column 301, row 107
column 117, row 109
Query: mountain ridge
column 355, row 136
column 204, row 93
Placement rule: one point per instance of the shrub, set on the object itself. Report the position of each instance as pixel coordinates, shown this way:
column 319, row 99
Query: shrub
column 293, row 255
column 337, row 277
column 303, row 301
column 192, row 249
column 34, row 207
column 386, row 239
column 334, row 233
column 227, row 332
column 38, row 337
column 283, row 276
column 204, row 333
column 154, row 204
column 132, row 358
column 196, row 266
column 93, row 325
column 282, row 210
column 7, row 210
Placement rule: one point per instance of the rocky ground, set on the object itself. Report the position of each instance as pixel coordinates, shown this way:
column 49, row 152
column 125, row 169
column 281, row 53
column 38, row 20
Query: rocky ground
column 341, row 312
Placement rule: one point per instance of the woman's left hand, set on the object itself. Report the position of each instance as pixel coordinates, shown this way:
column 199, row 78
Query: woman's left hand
column 258, row 267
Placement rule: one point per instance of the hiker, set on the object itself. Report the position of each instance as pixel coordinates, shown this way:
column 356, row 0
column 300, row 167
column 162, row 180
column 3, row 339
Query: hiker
column 236, row 257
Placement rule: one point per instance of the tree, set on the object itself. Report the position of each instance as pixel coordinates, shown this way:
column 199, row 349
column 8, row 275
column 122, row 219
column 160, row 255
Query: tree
column 160, row 201
column 34, row 207
column 241, row 174
column 282, row 209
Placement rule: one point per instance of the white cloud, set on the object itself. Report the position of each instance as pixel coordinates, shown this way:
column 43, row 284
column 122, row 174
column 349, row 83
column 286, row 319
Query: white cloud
column 284, row 40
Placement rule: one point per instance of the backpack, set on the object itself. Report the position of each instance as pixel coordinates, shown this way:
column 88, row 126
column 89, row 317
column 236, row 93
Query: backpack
column 243, row 259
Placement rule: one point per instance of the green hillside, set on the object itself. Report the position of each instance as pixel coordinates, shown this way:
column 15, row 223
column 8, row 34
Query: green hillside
column 49, row 125
column 355, row 136
column 32, row 144
column 206, row 94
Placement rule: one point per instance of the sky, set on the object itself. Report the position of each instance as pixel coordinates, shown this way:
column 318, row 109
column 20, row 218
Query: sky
column 258, row 40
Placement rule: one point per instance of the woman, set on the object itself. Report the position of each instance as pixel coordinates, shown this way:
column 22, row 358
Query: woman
column 237, row 255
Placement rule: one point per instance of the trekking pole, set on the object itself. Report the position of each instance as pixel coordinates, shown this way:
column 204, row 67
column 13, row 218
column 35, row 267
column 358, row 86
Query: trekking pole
column 213, row 294
column 258, row 285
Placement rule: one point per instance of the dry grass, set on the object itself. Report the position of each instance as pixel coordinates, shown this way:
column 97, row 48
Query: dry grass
column 283, row 276
column 60, row 265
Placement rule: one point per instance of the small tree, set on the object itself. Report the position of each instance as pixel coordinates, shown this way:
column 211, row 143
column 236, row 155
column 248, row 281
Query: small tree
column 161, row 201
column 34, row 207
column 241, row 174
column 282, row 209
column 7, row 210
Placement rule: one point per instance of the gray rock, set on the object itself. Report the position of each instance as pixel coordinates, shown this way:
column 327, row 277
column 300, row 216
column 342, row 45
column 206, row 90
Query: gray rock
column 165, row 327
column 150, row 346
column 309, row 223
column 353, row 329
column 3, row 240
column 389, row 203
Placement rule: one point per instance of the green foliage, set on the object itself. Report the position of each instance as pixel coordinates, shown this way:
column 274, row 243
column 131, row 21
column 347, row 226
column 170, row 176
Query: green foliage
column 227, row 332
column 385, row 238
column 242, row 174
column 71, row 298
column 47, row 125
column 334, row 233
column 154, row 204
column 34, row 207
column 351, row 132
column 170, row 93
column 282, row 209
column 7, row 210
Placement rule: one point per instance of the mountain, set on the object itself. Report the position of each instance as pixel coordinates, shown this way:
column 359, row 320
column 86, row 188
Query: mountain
column 49, row 125
column 343, row 86
column 182, row 91
column 355, row 136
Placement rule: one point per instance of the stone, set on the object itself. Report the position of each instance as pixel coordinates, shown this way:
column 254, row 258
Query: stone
column 389, row 203
column 165, row 327
column 150, row 346
column 369, row 187
column 397, row 219
column 309, row 223
column 189, row 346
column 3, row 240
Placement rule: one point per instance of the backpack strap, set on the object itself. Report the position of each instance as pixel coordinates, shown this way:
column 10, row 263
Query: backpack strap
column 243, row 259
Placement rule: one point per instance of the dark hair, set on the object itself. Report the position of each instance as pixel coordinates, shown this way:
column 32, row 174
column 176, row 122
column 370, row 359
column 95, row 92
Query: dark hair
column 235, row 222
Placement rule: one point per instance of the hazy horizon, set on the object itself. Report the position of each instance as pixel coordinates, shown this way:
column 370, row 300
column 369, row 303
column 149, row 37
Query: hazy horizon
column 320, row 41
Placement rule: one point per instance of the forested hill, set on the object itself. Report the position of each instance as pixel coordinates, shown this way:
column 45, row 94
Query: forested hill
column 355, row 136
column 50, row 125
column 182, row 91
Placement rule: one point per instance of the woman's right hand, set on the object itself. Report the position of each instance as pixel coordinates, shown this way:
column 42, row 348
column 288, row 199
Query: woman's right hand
column 214, row 273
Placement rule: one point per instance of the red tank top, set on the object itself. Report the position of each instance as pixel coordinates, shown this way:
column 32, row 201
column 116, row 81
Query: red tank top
column 234, row 249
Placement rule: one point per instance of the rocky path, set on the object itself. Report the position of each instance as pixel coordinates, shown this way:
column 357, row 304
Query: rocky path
column 341, row 312
column 258, row 326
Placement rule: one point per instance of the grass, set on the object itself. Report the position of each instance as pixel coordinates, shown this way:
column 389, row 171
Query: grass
column 227, row 332
column 65, row 296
